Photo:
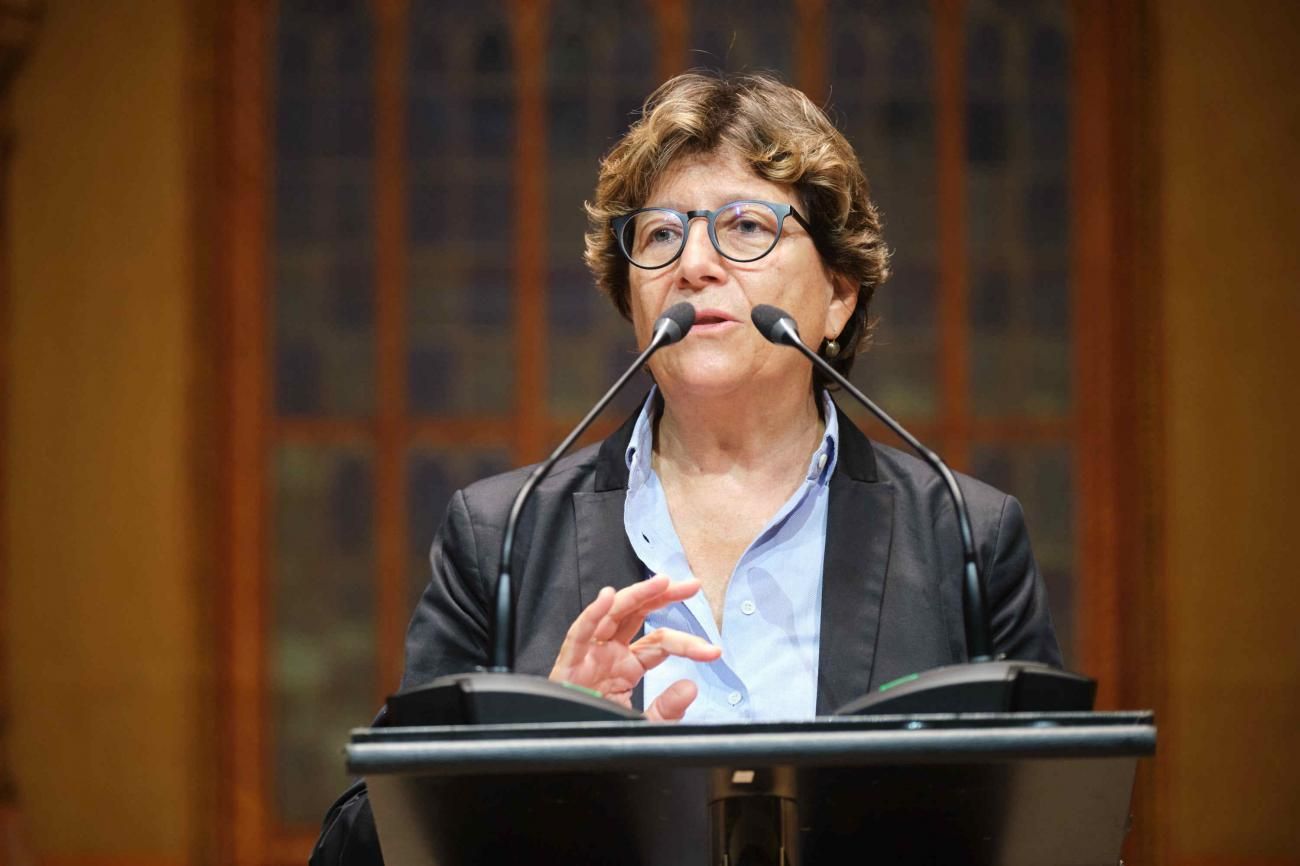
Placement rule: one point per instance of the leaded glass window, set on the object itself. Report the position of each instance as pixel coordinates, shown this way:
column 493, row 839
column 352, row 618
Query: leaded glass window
column 495, row 116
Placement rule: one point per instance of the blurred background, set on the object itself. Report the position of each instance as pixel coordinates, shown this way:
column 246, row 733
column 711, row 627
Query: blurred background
column 278, row 277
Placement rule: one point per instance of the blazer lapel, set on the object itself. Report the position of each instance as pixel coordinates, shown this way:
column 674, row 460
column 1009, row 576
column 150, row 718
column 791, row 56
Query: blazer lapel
column 605, row 557
column 859, row 533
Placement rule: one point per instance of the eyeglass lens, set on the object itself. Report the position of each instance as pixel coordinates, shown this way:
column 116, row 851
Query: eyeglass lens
column 744, row 231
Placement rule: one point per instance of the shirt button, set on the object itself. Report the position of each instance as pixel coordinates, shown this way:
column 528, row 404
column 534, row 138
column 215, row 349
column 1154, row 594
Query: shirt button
column 747, row 607
column 734, row 698
column 821, row 461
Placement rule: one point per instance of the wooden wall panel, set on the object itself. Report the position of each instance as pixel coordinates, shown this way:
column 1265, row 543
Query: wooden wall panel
column 101, row 622
column 1229, row 120
column 1117, row 381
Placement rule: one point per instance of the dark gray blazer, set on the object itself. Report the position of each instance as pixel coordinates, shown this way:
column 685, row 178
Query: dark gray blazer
column 891, row 596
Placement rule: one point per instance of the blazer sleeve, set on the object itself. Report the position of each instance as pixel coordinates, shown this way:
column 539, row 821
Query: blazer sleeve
column 1017, row 598
column 348, row 836
column 448, row 634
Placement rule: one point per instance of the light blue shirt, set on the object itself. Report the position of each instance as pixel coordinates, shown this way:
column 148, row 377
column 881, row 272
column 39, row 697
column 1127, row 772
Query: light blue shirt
column 771, row 622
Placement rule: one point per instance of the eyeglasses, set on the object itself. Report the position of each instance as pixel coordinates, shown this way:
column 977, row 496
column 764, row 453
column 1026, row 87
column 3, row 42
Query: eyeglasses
column 743, row 231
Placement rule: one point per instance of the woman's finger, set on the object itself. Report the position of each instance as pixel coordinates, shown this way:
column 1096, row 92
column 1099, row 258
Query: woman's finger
column 653, row 649
column 631, row 622
column 585, row 630
column 624, row 606
column 584, row 627
column 631, row 598
column 673, row 702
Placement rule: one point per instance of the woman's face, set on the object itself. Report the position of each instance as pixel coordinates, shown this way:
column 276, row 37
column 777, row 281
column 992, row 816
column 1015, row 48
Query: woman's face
column 724, row 352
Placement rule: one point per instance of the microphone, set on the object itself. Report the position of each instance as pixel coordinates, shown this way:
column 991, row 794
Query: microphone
column 669, row 328
column 498, row 695
column 778, row 327
column 983, row 684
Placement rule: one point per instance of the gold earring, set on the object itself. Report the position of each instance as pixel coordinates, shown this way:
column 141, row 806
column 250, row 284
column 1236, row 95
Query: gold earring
column 832, row 349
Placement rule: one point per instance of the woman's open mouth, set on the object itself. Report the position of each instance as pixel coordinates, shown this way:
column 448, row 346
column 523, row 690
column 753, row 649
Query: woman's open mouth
column 708, row 321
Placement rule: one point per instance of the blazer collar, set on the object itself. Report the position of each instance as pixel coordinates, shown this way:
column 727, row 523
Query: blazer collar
column 857, row 458
column 611, row 459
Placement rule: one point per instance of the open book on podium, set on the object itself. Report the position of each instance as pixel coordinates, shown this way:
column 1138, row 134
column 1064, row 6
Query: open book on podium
column 989, row 789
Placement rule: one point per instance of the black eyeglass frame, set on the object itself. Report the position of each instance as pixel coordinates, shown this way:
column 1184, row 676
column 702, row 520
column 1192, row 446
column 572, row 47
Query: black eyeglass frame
column 781, row 210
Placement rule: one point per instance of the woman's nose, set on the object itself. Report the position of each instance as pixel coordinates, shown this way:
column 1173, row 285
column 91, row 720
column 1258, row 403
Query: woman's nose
column 700, row 263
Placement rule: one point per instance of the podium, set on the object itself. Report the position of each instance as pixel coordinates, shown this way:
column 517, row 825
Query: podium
column 1013, row 789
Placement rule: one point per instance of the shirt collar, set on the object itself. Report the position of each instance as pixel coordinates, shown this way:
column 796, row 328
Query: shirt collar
column 639, row 449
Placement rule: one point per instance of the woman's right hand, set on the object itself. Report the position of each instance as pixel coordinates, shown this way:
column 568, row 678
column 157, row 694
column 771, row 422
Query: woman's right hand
column 601, row 650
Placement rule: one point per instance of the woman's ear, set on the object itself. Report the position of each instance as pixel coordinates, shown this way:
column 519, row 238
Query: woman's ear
column 844, row 301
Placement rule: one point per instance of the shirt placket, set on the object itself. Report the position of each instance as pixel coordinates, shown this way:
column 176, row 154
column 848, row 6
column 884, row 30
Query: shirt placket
column 740, row 607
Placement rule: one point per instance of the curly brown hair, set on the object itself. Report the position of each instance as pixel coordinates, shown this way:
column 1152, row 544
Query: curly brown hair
column 785, row 139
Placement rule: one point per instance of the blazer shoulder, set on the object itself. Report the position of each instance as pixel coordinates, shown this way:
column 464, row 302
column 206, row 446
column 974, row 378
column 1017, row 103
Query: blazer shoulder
column 488, row 500
column 913, row 478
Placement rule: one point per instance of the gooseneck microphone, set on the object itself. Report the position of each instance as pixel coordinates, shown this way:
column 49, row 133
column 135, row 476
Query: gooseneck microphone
column 778, row 327
column 669, row 328
column 981, row 685
column 497, row 695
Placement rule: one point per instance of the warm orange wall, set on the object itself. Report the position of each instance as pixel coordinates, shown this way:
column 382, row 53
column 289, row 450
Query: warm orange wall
column 1228, row 120
column 101, row 627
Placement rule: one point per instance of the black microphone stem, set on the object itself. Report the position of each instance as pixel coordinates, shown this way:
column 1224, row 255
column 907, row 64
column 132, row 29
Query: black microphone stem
column 978, row 643
column 503, row 619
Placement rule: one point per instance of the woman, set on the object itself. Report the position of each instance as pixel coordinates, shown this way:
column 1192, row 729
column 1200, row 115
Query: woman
column 796, row 564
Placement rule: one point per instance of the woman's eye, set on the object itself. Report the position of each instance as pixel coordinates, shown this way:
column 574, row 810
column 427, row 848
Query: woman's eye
column 745, row 225
column 659, row 233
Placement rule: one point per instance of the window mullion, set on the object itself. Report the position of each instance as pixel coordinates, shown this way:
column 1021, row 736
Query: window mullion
column 528, row 30
column 390, row 339
column 950, row 147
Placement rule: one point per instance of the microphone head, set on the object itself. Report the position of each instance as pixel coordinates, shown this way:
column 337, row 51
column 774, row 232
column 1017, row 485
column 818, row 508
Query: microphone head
column 775, row 324
column 676, row 321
